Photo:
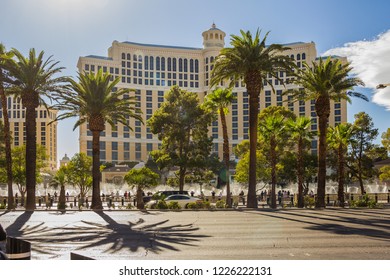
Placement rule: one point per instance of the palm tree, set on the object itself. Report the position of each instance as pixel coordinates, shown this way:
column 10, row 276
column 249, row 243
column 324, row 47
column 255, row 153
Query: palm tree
column 60, row 179
column 33, row 78
column 339, row 138
column 95, row 100
column 220, row 99
column 141, row 179
column 251, row 60
column 7, row 132
column 324, row 81
column 300, row 134
column 272, row 129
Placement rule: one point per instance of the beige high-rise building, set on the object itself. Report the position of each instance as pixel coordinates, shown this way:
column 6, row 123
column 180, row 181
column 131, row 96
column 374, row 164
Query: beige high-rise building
column 153, row 69
column 46, row 134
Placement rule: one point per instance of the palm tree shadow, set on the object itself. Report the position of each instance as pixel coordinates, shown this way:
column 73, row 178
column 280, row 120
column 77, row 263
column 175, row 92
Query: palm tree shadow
column 112, row 237
column 15, row 229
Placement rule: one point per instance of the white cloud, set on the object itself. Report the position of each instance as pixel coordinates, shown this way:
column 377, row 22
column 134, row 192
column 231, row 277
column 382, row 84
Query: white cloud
column 371, row 63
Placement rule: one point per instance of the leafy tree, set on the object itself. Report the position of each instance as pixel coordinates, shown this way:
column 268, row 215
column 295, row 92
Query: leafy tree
column 33, row 78
column 96, row 101
column 301, row 134
column 339, row 138
column 385, row 173
column 219, row 99
column 263, row 173
column 182, row 125
column 141, row 179
column 360, row 163
column 4, row 56
column 252, row 60
column 79, row 172
column 324, row 81
column 19, row 168
column 386, row 139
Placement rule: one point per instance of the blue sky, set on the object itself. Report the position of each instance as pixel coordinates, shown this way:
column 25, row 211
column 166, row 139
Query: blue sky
column 68, row 29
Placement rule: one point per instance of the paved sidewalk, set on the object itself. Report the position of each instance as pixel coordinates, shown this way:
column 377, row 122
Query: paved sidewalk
column 231, row 234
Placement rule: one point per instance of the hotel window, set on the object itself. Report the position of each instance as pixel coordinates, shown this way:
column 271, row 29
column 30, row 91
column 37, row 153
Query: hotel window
column 151, row 63
column 128, row 56
column 114, row 146
column 163, row 64
column 337, row 119
column 86, row 67
column 337, row 112
column 180, row 65
column 303, row 56
column 123, row 55
column 196, row 67
column 158, row 63
column 337, row 105
column 146, row 64
column 174, row 66
column 92, row 68
column 191, row 65
column 169, row 64
column 298, row 57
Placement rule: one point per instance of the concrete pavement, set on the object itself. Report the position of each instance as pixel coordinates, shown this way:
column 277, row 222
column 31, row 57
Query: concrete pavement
column 331, row 233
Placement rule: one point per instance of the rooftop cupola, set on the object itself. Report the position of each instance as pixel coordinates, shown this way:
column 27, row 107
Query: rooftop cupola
column 213, row 37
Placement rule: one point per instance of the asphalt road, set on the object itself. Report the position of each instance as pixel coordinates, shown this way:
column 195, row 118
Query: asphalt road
column 288, row 234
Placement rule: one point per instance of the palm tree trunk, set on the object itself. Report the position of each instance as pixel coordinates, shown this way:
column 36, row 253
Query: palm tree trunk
column 62, row 199
column 96, row 201
column 31, row 155
column 321, row 183
column 226, row 157
column 300, row 174
column 8, row 157
column 273, row 172
column 140, row 198
column 341, row 175
column 253, row 120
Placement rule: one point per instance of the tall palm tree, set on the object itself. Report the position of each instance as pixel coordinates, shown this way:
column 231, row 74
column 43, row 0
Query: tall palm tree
column 325, row 81
column 33, row 80
column 60, row 179
column 301, row 134
column 7, row 132
column 220, row 99
column 251, row 60
column 272, row 129
column 95, row 100
column 339, row 138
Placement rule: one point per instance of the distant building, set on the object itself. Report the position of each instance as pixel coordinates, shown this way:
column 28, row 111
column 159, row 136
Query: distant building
column 64, row 161
column 46, row 134
column 115, row 175
column 153, row 69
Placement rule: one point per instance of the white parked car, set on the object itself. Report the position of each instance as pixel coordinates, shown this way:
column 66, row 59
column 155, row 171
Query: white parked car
column 181, row 199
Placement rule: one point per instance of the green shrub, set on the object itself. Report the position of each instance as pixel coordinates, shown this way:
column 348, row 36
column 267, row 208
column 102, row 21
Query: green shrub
column 220, row 204
column 364, row 201
column 2, row 206
column 161, row 204
column 199, row 205
column 309, row 202
column 173, row 205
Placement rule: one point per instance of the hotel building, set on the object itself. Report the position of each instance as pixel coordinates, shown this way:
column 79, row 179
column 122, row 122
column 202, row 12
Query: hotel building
column 46, row 134
column 152, row 69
